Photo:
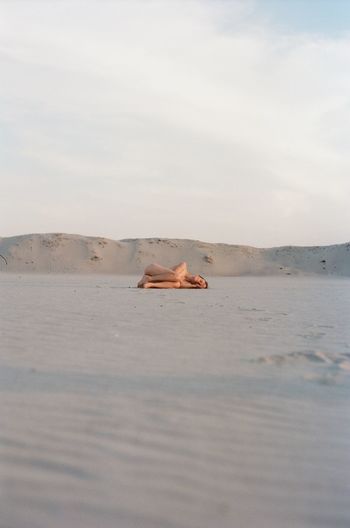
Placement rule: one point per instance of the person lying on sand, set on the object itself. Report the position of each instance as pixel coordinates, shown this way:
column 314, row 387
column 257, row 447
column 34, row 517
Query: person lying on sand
column 156, row 276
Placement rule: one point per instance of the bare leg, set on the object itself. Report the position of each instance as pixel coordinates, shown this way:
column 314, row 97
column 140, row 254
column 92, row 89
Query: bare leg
column 180, row 270
column 157, row 276
column 156, row 269
column 162, row 285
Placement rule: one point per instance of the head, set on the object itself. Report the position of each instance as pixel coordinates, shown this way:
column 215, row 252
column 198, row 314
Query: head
column 202, row 283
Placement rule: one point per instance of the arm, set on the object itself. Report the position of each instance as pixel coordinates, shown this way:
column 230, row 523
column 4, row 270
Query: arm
column 167, row 277
column 185, row 284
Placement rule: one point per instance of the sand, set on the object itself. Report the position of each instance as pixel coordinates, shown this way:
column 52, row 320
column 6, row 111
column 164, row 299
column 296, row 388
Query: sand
column 174, row 409
column 64, row 253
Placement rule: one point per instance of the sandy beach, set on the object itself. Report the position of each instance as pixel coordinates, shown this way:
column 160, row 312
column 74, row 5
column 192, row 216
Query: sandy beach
column 175, row 264
column 174, row 409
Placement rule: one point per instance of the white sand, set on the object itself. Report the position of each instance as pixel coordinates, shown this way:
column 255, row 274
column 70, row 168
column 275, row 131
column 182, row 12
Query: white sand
column 63, row 253
column 130, row 408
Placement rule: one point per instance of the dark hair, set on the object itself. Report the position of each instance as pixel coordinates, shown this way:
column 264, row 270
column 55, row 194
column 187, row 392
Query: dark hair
column 206, row 282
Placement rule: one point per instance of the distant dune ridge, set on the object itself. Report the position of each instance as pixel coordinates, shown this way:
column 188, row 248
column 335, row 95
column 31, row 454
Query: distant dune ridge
column 64, row 253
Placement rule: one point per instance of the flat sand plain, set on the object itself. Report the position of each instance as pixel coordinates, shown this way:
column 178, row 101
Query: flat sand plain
column 132, row 408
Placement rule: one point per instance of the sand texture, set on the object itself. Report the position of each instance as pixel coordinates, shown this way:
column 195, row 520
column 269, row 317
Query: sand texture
column 129, row 408
column 64, row 253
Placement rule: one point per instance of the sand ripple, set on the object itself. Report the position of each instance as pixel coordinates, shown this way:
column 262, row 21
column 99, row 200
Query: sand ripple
column 340, row 360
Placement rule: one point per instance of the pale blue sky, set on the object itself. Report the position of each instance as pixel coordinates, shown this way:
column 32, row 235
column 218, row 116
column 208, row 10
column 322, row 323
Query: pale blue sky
column 327, row 17
column 226, row 121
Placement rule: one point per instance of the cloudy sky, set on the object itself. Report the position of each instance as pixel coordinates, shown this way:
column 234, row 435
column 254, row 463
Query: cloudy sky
column 225, row 121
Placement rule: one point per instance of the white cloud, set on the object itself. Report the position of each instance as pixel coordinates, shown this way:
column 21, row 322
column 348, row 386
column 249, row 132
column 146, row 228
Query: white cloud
column 172, row 118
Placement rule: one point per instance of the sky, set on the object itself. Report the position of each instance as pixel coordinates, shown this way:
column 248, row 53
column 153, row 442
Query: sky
column 216, row 120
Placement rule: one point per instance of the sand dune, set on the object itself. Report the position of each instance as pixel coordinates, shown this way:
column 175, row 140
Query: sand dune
column 64, row 253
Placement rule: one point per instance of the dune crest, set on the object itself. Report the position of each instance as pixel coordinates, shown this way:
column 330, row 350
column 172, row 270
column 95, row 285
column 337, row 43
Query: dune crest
column 65, row 253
